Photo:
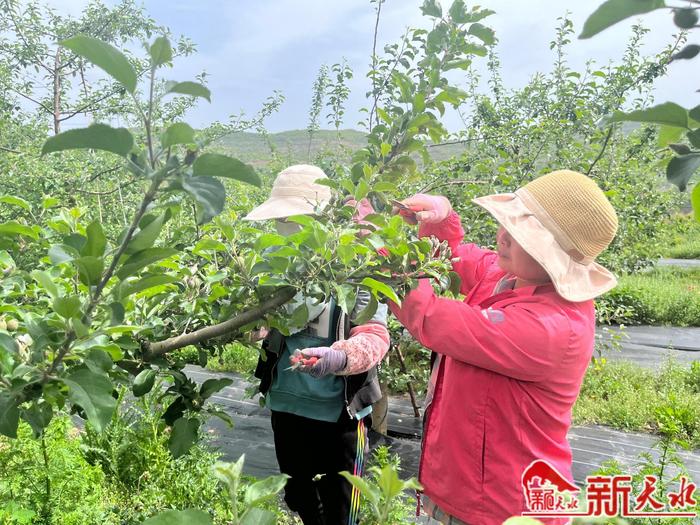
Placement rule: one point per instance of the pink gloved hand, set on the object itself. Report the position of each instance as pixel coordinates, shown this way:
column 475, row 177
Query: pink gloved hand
column 422, row 207
column 319, row 361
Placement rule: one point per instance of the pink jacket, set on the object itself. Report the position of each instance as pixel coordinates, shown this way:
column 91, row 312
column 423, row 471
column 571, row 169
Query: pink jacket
column 511, row 368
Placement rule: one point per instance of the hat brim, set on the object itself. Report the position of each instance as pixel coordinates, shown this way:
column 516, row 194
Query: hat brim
column 573, row 280
column 278, row 207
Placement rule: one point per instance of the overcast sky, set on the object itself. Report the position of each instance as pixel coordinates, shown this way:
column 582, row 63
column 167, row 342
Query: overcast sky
column 249, row 49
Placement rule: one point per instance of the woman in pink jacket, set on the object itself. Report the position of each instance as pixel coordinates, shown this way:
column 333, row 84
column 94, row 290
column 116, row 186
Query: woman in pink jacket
column 512, row 355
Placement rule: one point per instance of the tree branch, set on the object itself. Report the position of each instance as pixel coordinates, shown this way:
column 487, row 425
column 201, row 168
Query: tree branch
column 103, row 172
column 153, row 350
column 88, row 105
column 99, row 193
column 602, row 150
column 433, row 185
column 41, row 104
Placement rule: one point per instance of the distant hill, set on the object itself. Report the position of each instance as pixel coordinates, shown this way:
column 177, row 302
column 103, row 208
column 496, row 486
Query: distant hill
column 294, row 145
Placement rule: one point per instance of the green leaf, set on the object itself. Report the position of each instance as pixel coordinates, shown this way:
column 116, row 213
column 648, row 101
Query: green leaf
column 143, row 382
column 367, row 312
column 183, row 436
column 688, row 52
column 345, row 296
column 180, row 517
column 38, row 415
column 300, row 316
column 15, row 228
column 99, row 361
column 669, row 134
column 61, row 253
column 67, row 307
column 258, row 516
column 49, row 202
column 455, row 283
column 681, row 169
column 694, row 137
column 95, row 136
column 105, row 56
column 368, row 491
column 685, row 18
column 483, row 33
column 381, row 288
column 16, row 201
column 145, row 237
column 127, row 288
column 695, row 201
column 178, row 133
column 8, row 344
column 89, row 269
column 96, row 240
column 264, row 489
column 668, row 113
column 613, row 11
column 475, row 49
column 217, row 165
column 431, row 8
column 142, row 259
column 9, row 416
column 695, row 113
column 212, row 386
column 93, row 393
column 161, row 52
column 209, row 193
column 458, row 12
column 193, row 89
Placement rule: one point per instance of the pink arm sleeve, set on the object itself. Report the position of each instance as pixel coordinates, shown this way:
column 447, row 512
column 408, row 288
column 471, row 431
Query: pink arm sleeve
column 366, row 346
column 526, row 343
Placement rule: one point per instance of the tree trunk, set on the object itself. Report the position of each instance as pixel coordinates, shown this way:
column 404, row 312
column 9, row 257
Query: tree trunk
column 57, row 93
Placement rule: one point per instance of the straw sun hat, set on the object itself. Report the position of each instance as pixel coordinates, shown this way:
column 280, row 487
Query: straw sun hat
column 563, row 220
column 294, row 192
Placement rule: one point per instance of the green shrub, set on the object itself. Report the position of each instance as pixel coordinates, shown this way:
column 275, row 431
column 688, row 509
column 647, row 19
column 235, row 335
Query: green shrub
column 49, row 480
column 626, row 396
column 134, row 456
column 662, row 296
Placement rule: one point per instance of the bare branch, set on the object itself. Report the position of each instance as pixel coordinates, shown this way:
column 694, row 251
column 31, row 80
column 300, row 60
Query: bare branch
column 24, row 95
column 88, row 105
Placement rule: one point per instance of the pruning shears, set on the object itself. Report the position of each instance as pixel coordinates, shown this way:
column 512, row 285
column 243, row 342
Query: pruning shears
column 300, row 361
column 404, row 211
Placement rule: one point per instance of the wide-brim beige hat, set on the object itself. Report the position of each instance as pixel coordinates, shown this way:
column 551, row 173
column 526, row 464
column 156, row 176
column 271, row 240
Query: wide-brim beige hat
column 294, row 192
column 563, row 220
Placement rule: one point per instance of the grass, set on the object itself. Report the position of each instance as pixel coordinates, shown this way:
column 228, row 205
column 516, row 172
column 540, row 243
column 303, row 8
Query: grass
column 662, row 296
column 684, row 240
column 626, row 396
column 235, row 357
